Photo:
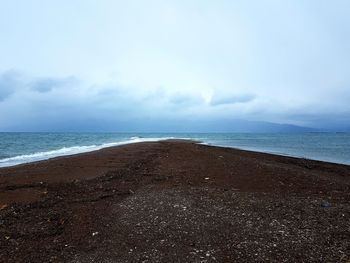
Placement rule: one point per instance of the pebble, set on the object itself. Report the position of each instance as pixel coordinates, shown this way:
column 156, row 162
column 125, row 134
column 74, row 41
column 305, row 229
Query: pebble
column 325, row 204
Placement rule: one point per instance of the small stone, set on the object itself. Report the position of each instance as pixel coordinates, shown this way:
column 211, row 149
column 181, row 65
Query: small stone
column 325, row 204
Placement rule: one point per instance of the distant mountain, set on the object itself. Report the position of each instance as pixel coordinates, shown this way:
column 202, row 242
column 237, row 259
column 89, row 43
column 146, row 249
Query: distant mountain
column 170, row 126
column 254, row 126
column 212, row 126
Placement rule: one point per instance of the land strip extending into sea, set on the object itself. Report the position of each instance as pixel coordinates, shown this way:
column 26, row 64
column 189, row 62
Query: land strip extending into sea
column 175, row 201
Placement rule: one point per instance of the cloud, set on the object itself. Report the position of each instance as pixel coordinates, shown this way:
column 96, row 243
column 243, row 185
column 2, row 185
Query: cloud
column 280, row 62
column 12, row 82
column 32, row 103
column 48, row 84
column 185, row 100
column 221, row 99
column 9, row 82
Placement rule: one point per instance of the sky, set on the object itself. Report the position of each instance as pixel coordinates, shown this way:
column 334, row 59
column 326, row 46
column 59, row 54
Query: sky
column 109, row 65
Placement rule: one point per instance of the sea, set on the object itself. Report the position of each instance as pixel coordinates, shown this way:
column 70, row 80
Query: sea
column 18, row 148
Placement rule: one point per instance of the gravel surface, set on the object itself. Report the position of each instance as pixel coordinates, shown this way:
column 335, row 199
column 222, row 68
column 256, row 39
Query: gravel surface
column 175, row 201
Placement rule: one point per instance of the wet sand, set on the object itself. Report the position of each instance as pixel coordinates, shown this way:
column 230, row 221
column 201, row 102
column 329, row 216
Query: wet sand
column 175, row 201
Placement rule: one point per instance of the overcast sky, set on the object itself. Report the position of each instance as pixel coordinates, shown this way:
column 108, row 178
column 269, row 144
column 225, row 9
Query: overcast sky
column 95, row 65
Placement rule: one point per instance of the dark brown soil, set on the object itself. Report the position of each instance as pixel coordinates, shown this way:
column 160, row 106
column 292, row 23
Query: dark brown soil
column 175, row 201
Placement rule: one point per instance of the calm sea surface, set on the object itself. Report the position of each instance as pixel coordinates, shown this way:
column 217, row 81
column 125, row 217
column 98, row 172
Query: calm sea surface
column 17, row 148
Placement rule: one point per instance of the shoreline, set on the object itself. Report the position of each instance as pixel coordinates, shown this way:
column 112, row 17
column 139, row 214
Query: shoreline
column 174, row 200
column 93, row 148
column 13, row 175
column 122, row 143
column 247, row 149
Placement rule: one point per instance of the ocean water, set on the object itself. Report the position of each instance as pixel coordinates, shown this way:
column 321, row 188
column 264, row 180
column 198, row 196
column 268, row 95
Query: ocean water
column 18, row 148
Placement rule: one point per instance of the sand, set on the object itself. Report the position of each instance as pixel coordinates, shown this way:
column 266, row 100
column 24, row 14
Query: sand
column 175, row 201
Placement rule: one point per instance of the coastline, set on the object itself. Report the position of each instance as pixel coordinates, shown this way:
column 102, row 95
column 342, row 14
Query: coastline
column 191, row 180
column 28, row 148
column 69, row 151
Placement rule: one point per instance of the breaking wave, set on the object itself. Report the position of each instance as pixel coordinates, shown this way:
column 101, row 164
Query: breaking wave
column 39, row 156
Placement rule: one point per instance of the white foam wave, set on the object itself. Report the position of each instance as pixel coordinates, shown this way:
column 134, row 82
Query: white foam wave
column 39, row 156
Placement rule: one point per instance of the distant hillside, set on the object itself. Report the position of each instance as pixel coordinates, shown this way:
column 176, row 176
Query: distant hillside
column 212, row 126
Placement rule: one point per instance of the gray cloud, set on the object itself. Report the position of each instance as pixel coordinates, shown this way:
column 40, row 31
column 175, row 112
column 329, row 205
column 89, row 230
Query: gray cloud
column 220, row 99
column 12, row 82
column 185, row 100
column 9, row 82
column 291, row 68
column 61, row 103
column 48, row 84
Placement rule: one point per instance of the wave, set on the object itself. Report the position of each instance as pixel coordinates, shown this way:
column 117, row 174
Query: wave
column 40, row 156
column 135, row 137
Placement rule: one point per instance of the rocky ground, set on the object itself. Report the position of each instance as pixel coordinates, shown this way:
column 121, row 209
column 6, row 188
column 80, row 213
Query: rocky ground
column 175, row 201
